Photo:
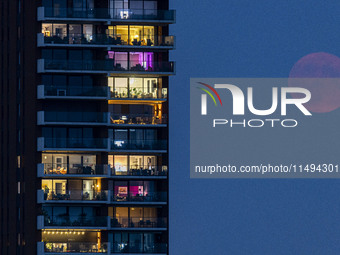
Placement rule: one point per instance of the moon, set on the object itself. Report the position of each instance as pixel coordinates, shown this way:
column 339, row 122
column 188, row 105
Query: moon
column 322, row 73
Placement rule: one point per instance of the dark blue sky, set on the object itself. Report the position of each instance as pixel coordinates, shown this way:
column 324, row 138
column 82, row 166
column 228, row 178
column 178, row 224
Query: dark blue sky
column 242, row 38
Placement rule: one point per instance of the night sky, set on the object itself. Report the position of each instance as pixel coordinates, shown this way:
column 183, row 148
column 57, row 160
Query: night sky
column 242, row 38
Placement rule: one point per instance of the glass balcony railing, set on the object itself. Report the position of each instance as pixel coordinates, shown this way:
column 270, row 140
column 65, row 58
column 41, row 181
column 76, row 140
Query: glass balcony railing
column 74, row 143
column 118, row 144
column 75, row 221
column 75, row 247
column 103, row 39
column 108, row 66
column 74, row 169
column 138, row 119
column 137, row 247
column 60, row 169
column 90, row 117
column 138, row 222
column 76, row 195
column 141, row 197
column 138, row 93
column 121, row 170
column 110, row 14
column 75, row 91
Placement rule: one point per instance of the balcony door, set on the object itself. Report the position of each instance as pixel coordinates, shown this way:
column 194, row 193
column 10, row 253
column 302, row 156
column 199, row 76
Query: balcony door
column 83, row 8
column 88, row 189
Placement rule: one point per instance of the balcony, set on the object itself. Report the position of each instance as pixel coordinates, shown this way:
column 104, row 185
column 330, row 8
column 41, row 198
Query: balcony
column 135, row 171
column 136, row 248
column 73, row 196
column 73, row 144
column 138, row 223
column 101, row 248
column 88, row 93
column 144, row 198
column 73, row 118
column 139, row 94
column 139, row 145
column 108, row 67
column 73, row 248
column 107, row 15
column 73, row 222
column 131, row 120
column 64, row 170
column 103, row 40
column 72, row 170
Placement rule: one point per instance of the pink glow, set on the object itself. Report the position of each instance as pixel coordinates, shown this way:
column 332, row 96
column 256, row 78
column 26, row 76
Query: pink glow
column 144, row 59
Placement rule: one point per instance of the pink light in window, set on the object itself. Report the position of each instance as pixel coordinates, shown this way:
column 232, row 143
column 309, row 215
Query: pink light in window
column 111, row 54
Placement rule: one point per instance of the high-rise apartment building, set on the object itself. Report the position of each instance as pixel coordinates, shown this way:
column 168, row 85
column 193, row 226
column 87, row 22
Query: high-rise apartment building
column 84, row 126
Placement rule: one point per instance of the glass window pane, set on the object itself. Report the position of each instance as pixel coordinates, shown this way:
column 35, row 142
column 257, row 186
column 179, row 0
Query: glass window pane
column 59, row 80
column 136, row 87
column 47, row 80
column 75, row 81
column 120, row 165
column 150, row 87
column 120, row 87
column 87, row 81
column 122, row 35
column 121, row 134
column 148, row 61
column 136, row 162
column 75, row 55
column 136, row 35
column 47, row 54
column 136, row 5
column 121, row 60
column 60, row 30
column 88, row 32
column 136, row 60
column 60, row 54
column 148, row 38
column 59, row 211
column 46, row 29
column 150, row 162
column 150, row 5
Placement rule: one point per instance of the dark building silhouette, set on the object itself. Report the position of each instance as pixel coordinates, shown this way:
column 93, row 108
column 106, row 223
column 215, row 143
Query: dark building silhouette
column 84, row 126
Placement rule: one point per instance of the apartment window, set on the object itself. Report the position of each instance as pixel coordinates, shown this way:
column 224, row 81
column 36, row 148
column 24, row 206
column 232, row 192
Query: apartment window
column 119, row 87
column 135, row 216
column 60, row 54
column 60, row 189
column 133, row 189
column 134, row 165
column 139, row 242
column 122, row 32
column 134, row 87
column 120, row 164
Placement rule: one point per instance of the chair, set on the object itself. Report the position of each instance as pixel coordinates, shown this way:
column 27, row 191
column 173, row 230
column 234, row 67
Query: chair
column 148, row 223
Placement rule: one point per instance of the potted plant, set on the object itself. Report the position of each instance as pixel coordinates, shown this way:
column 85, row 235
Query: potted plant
column 46, row 191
